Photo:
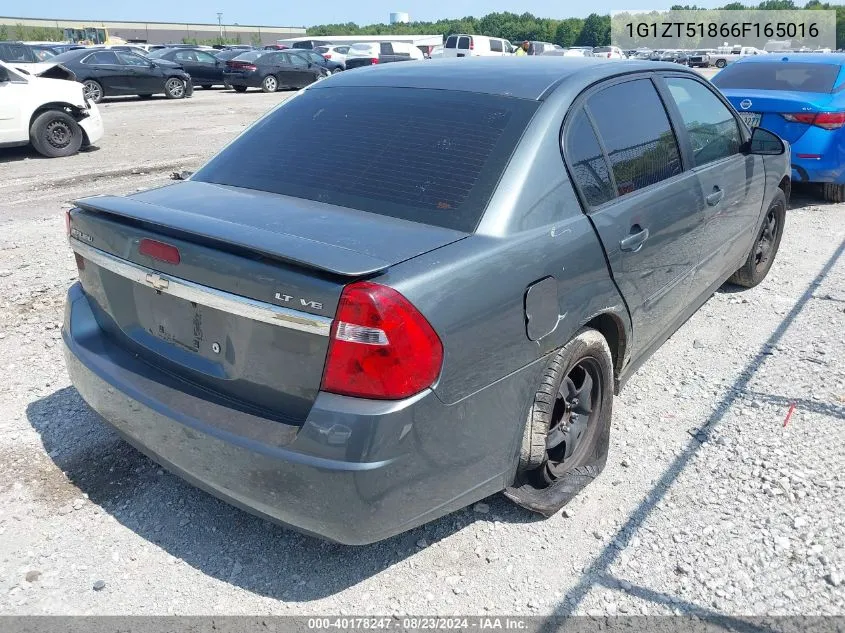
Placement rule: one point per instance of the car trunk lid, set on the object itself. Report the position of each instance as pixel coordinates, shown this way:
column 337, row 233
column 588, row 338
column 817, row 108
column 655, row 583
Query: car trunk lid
column 230, row 289
column 771, row 105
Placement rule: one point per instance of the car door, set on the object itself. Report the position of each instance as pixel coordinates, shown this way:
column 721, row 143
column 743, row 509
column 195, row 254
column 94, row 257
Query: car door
column 628, row 169
column 146, row 77
column 188, row 60
column 13, row 92
column 730, row 183
column 208, row 68
column 294, row 70
column 105, row 68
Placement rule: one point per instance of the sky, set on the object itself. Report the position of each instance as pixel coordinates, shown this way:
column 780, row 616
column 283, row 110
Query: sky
column 303, row 13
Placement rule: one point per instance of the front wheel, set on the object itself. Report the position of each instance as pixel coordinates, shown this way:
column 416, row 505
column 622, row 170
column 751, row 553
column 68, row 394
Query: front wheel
column 92, row 90
column 762, row 254
column 721, row 63
column 55, row 133
column 174, row 88
column 566, row 436
column 269, row 84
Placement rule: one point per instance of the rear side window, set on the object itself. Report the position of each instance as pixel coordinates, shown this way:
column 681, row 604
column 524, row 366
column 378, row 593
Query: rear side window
column 430, row 156
column 496, row 46
column 102, row 57
column 796, row 76
column 712, row 129
column 639, row 141
column 586, row 160
column 452, row 42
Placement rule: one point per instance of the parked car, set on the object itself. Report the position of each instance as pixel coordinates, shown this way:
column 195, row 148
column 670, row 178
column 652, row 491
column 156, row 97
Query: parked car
column 334, row 53
column 800, row 98
column 569, row 52
column 271, row 71
column 728, row 55
column 205, row 69
column 48, row 111
column 475, row 46
column 343, row 325
column 112, row 73
column 226, row 55
column 317, row 59
column 700, row 59
column 608, row 52
column 538, row 48
column 18, row 53
column 44, row 52
column 371, row 53
column 656, row 54
column 306, row 44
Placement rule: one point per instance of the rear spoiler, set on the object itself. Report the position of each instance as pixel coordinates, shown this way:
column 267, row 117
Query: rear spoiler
column 284, row 247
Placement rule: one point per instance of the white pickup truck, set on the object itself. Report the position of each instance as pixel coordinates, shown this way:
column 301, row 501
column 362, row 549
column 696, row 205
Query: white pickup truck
column 47, row 108
column 725, row 56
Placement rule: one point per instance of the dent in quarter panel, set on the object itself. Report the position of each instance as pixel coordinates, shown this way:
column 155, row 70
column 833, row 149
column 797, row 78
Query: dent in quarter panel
column 472, row 293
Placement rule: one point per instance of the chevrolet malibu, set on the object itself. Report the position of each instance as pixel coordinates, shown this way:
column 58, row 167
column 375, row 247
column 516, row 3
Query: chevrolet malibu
column 413, row 286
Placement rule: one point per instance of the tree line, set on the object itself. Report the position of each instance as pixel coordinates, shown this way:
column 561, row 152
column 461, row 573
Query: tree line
column 594, row 30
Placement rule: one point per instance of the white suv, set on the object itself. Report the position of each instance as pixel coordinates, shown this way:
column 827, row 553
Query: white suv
column 61, row 119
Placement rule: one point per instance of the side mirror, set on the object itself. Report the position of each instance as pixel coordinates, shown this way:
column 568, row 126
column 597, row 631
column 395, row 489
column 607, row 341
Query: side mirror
column 765, row 143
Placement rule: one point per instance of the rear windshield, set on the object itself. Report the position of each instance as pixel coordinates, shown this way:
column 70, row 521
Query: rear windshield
column 602, row 49
column 250, row 56
column 363, row 48
column 428, row 156
column 796, row 76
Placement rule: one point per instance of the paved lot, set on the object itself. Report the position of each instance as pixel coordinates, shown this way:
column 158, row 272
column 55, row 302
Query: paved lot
column 709, row 504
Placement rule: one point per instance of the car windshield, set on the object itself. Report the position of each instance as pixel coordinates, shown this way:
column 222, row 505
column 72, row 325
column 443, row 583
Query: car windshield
column 161, row 52
column 602, row 49
column 430, row 156
column 362, row 48
column 797, row 77
column 322, row 49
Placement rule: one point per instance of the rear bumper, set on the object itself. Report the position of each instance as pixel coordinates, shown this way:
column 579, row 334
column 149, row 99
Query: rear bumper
column 240, row 79
column 355, row 472
column 829, row 146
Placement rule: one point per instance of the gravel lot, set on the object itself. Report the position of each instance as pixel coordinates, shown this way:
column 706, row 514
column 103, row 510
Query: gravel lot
column 709, row 503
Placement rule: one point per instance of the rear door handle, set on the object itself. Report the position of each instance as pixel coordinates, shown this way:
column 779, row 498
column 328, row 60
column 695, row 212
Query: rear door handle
column 716, row 197
column 635, row 240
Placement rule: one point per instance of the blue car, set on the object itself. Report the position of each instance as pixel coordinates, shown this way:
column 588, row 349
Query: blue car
column 801, row 98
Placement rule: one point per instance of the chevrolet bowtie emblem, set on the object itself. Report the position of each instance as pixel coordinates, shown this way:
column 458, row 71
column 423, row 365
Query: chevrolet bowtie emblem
column 157, row 282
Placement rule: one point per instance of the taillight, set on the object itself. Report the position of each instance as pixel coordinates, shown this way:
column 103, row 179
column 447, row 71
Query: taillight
column 381, row 346
column 471, row 44
column 374, row 60
column 825, row 120
column 327, row 56
column 160, row 251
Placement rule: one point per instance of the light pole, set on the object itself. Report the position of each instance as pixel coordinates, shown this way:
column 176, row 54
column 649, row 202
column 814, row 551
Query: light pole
column 220, row 24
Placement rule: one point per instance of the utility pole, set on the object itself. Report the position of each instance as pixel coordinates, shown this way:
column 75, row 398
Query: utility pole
column 220, row 24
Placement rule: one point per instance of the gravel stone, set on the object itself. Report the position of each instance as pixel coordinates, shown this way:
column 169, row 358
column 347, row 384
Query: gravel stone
column 99, row 585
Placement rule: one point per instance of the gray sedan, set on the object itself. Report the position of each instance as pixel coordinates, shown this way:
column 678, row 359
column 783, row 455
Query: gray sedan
column 413, row 286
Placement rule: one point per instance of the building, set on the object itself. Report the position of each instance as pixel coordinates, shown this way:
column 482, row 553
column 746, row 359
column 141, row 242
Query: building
column 101, row 32
column 399, row 18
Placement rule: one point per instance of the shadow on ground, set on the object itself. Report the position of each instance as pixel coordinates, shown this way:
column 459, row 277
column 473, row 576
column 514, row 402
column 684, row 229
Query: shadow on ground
column 210, row 535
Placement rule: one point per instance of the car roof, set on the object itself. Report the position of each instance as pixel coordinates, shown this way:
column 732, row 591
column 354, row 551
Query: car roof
column 811, row 58
column 505, row 76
